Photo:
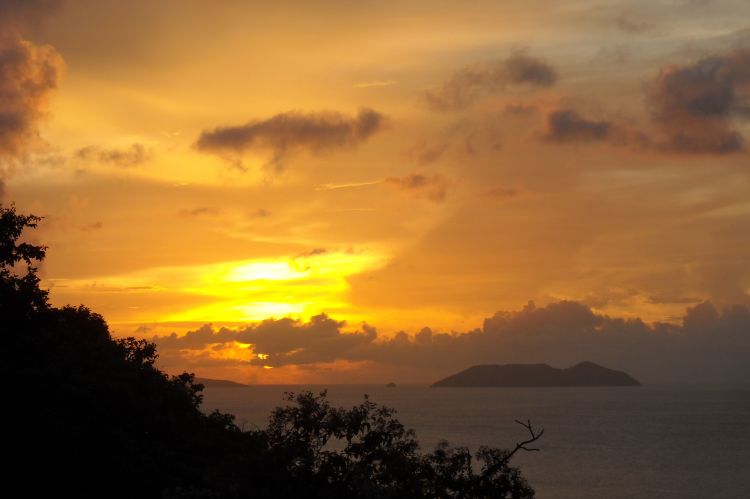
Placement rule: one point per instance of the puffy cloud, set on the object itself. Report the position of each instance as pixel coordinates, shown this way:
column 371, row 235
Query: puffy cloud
column 135, row 154
column 420, row 185
column 470, row 83
column 285, row 133
column 708, row 346
column 695, row 105
column 29, row 74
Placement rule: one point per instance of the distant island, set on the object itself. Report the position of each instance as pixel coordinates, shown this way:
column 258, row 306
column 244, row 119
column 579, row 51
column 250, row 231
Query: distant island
column 219, row 383
column 391, row 385
column 583, row 374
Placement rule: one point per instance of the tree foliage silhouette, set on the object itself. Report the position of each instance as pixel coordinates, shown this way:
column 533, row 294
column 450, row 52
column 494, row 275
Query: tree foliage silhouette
column 92, row 416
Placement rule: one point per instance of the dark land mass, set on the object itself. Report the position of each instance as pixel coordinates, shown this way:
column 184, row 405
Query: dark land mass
column 583, row 374
column 219, row 383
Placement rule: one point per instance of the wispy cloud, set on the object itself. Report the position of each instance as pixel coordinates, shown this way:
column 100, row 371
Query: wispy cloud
column 375, row 83
column 470, row 83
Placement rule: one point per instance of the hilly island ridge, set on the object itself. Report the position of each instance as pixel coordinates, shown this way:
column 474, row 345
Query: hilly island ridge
column 582, row 374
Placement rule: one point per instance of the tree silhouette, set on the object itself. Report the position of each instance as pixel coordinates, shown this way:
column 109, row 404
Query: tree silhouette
column 92, row 416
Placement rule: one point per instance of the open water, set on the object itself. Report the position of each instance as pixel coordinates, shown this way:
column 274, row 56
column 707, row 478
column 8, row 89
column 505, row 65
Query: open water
column 611, row 442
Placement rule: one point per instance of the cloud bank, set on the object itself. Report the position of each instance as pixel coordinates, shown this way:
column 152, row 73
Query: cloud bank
column 708, row 346
column 285, row 133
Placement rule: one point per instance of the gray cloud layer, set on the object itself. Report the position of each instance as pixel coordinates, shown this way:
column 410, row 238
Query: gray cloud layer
column 287, row 132
column 707, row 347
column 471, row 83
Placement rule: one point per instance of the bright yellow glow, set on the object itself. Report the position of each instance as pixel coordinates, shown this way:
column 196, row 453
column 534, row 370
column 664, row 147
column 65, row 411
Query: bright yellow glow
column 238, row 291
column 273, row 271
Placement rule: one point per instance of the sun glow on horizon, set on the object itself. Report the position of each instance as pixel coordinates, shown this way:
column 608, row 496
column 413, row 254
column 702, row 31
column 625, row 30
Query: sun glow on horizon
column 236, row 291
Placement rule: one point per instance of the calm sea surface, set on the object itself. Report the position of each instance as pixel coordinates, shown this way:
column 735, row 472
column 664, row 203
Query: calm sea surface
column 598, row 442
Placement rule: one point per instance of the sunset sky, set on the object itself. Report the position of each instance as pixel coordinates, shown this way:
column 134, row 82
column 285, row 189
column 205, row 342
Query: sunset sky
column 393, row 165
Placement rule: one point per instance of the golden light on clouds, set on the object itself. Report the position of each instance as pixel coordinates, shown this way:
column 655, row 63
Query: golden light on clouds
column 423, row 163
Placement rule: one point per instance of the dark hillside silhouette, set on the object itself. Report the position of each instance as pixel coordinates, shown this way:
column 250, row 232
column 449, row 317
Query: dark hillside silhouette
column 88, row 415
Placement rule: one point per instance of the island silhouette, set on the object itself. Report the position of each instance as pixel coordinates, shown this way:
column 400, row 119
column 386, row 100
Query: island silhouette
column 219, row 383
column 582, row 374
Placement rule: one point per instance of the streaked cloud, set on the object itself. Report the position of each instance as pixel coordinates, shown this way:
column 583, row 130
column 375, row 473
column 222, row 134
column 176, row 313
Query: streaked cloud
column 286, row 133
column 346, row 185
column 375, row 84
column 133, row 155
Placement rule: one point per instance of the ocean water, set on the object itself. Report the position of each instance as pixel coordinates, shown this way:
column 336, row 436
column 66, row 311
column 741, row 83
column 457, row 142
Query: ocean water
column 618, row 442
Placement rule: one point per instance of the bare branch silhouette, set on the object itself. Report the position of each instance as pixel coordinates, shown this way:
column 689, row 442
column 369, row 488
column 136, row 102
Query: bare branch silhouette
column 523, row 445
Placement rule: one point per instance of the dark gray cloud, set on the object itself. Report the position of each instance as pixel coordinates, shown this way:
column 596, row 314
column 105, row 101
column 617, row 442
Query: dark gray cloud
column 567, row 125
column 135, row 154
column 286, row 133
column 470, row 83
column 432, row 187
column 521, row 68
column 707, row 346
column 696, row 105
column 28, row 76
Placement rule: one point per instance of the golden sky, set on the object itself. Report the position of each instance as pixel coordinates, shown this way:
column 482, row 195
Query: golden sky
column 399, row 164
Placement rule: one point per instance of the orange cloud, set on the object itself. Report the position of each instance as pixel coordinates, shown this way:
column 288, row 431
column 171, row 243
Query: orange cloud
column 29, row 74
